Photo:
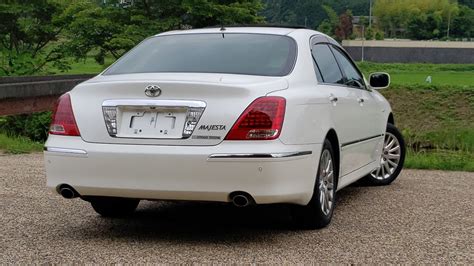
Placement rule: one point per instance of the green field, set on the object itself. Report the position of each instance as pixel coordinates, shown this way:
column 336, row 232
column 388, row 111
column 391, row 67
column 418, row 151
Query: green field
column 437, row 123
column 436, row 119
column 411, row 74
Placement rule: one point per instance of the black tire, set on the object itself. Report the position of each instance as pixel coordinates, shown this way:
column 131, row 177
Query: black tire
column 371, row 178
column 114, row 207
column 312, row 216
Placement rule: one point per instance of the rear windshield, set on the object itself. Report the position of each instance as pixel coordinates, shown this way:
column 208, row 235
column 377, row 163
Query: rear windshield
column 249, row 54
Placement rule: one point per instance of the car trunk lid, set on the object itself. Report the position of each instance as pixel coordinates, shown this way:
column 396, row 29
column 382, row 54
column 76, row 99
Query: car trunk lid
column 191, row 109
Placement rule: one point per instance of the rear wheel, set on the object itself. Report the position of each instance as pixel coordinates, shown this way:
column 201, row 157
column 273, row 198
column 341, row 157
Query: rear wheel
column 391, row 160
column 318, row 212
column 114, row 207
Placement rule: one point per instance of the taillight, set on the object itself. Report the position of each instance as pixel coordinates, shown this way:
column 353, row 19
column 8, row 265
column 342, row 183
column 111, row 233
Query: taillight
column 262, row 120
column 63, row 122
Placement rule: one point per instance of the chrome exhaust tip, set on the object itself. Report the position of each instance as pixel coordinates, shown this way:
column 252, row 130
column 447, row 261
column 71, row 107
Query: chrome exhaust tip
column 68, row 193
column 240, row 200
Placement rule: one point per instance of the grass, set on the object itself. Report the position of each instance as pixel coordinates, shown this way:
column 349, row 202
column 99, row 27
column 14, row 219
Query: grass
column 87, row 66
column 440, row 160
column 438, row 124
column 17, row 145
column 434, row 117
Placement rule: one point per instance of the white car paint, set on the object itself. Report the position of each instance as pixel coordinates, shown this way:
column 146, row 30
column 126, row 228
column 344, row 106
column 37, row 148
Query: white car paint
column 96, row 164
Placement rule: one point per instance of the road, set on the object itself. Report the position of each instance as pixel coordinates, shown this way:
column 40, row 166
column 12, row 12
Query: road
column 423, row 217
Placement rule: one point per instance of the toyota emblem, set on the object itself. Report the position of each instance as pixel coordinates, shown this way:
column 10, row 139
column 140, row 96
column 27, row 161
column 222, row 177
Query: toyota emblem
column 152, row 91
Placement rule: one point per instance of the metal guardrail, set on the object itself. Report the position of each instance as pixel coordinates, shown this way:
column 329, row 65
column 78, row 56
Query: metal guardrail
column 20, row 95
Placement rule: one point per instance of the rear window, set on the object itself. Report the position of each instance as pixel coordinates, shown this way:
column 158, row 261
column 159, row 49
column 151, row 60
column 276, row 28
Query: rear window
column 248, row 54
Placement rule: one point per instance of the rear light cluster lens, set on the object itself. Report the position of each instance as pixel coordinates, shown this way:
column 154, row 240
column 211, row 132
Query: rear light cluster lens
column 192, row 118
column 110, row 117
column 63, row 122
column 262, row 120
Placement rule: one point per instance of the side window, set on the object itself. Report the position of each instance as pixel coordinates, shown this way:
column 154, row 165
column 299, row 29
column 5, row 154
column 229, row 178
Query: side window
column 353, row 77
column 326, row 64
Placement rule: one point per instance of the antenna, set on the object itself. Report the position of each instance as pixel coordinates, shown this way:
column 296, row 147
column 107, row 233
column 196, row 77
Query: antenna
column 223, row 29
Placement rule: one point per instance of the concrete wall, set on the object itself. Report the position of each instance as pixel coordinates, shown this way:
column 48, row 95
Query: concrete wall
column 412, row 51
column 20, row 95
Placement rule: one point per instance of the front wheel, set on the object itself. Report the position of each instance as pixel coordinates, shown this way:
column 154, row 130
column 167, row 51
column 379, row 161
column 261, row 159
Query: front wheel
column 114, row 207
column 318, row 212
column 391, row 160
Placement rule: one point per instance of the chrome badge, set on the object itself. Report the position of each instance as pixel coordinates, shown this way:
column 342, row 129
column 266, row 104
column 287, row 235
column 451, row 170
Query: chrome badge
column 152, row 91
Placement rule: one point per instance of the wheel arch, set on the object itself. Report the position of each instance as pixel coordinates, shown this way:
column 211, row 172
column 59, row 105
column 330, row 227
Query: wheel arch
column 333, row 139
column 391, row 119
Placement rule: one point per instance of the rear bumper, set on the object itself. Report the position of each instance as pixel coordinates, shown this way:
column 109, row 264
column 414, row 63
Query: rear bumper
column 270, row 172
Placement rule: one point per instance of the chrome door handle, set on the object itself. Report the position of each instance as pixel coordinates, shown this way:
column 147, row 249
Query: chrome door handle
column 333, row 99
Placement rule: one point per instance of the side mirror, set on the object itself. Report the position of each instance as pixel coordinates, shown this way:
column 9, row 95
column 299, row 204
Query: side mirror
column 379, row 80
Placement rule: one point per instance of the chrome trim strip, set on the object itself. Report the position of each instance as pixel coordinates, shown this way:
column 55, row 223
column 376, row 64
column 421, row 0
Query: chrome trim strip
column 258, row 155
column 65, row 150
column 360, row 140
column 157, row 103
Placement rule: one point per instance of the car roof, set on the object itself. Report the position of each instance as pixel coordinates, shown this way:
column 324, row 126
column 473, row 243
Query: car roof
column 267, row 29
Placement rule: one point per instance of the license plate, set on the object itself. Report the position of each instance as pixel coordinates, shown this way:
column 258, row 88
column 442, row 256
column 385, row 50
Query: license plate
column 152, row 122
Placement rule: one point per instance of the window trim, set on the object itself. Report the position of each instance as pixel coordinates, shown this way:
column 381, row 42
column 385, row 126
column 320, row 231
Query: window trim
column 319, row 69
column 321, row 39
column 344, row 53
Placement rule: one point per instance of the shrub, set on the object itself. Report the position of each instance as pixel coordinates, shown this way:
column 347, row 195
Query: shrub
column 369, row 34
column 379, row 35
column 32, row 126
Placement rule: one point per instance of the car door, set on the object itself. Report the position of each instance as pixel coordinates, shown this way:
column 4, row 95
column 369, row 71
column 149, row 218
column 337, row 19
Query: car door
column 345, row 108
column 369, row 123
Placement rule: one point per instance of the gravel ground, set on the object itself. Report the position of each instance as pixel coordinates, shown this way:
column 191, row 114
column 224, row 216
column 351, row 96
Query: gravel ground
column 423, row 217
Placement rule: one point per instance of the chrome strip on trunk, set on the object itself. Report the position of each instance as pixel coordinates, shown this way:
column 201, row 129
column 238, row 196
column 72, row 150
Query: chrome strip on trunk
column 258, row 155
column 66, row 151
column 157, row 103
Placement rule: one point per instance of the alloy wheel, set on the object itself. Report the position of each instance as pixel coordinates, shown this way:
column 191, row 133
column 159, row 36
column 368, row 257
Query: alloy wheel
column 390, row 158
column 326, row 182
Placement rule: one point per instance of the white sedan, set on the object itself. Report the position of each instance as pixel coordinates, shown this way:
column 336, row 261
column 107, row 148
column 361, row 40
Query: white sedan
column 247, row 115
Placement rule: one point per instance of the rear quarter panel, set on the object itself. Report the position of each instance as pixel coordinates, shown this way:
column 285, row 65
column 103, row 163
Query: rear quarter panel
column 308, row 117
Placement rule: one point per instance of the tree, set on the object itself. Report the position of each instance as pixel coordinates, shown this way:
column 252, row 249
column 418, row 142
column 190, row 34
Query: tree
column 369, row 33
column 394, row 17
column 468, row 3
column 462, row 25
column 109, row 30
column 379, row 35
column 309, row 13
column 326, row 27
column 344, row 28
column 340, row 27
column 358, row 7
column 424, row 26
column 114, row 29
column 294, row 12
column 205, row 13
column 329, row 25
column 29, row 37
